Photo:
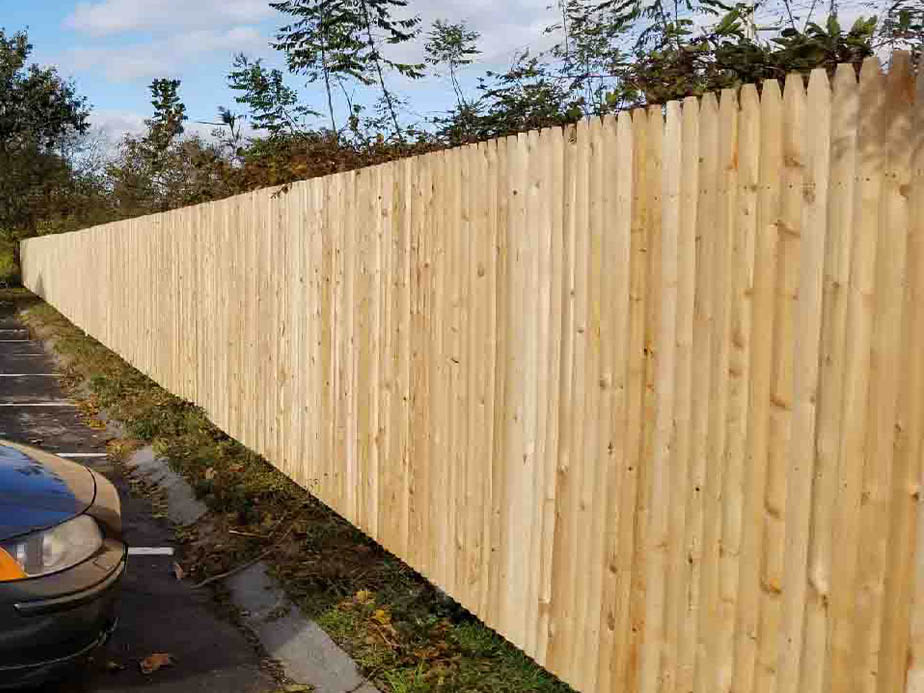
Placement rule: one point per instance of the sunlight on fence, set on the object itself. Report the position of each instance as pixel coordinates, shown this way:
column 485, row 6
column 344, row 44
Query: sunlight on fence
column 645, row 394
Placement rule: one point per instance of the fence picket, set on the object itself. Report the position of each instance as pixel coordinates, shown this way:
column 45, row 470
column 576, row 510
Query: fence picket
column 915, row 670
column 900, row 499
column 643, row 393
column 803, row 471
column 883, row 388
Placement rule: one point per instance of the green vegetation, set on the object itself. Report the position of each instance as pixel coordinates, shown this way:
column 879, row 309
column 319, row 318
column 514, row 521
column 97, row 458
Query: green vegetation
column 404, row 633
column 603, row 56
column 9, row 272
column 41, row 120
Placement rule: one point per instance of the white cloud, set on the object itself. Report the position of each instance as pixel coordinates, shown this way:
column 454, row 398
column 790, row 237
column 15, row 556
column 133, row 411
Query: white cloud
column 506, row 26
column 165, row 56
column 108, row 127
column 106, row 17
column 132, row 41
column 116, row 122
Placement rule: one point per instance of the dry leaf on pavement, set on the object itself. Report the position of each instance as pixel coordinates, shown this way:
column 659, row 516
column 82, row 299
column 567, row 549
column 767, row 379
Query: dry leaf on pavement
column 178, row 571
column 156, row 661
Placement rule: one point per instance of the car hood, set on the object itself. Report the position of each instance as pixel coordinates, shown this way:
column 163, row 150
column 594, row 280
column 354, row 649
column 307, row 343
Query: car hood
column 39, row 490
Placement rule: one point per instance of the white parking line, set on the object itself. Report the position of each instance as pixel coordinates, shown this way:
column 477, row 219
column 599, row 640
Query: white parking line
column 150, row 551
column 81, row 455
column 57, row 403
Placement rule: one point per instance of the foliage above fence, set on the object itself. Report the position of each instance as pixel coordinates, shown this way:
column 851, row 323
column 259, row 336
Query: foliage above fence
column 645, row 394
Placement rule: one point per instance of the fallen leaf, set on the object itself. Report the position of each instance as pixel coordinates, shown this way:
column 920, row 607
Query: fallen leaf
column 113, row 666
column 209, row 474
column 363, row 597
column 382, row 617
column 156, row 661
column 178, row 571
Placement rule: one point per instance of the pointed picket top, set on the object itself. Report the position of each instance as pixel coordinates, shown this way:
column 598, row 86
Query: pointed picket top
column 595, row 129
column 845, row 77
column 673, row 143
column 709, row 103
column 919, row 91
column 655, row 113
column 639, row 117
column 900, row 80
column 749, row 97
column 793, row 90
column 770, row 92
column 818, row 82
column 728, row 98
column 690, row 103
column 581, row 128
column 624, row 122
column 844, row 90
column 870, row 73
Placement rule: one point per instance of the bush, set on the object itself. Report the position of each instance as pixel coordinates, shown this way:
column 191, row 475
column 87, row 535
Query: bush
column 9, row 270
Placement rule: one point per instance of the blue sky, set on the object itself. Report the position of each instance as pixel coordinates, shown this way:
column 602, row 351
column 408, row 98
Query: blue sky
column 114, row 48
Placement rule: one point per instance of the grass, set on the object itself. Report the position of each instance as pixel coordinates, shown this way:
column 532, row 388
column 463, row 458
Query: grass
column 405, row 635
column 9, row 272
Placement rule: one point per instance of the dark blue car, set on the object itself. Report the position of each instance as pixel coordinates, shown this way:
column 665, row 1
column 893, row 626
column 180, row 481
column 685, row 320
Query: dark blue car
column 61, row 561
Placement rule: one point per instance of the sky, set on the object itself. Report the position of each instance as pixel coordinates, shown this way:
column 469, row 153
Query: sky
column 114, row 48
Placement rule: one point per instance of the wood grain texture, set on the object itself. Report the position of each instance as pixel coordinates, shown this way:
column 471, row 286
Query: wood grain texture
column 645, row 393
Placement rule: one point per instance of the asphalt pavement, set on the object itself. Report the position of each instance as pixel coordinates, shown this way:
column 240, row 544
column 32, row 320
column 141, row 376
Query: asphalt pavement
column 158, row 613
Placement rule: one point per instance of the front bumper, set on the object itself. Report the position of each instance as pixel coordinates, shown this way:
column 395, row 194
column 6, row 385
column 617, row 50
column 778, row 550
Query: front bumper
column 48, row 623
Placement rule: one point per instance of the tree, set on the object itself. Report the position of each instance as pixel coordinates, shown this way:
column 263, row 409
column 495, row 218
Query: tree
column 165, row 126
column 667, row 55
column 589, row 53
column 321, row 44
column 902, row 28
column 452, row 45
column 160, row 169
column 169, row 114
column 529, row 95
column 37, row 106
column 344, row 40
column 382, row 29
column 229, row 133
column 273, row 105
column 41, row 119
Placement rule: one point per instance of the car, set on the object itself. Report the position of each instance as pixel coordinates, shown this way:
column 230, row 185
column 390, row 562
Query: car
column 62, row 558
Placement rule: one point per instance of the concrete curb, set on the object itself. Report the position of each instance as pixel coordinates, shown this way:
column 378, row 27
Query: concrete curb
column 306, row 652
column 183, row 508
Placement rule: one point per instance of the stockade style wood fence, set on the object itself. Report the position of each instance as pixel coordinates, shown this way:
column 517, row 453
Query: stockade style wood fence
column 645, row 394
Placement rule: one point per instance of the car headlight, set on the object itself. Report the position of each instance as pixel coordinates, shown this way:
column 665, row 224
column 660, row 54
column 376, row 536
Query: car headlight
column 51, row 551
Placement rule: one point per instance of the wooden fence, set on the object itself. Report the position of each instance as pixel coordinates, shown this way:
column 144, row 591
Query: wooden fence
column 645, row 394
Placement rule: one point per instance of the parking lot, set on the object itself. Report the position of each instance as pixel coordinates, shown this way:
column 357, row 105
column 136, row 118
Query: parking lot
column 158, row 614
